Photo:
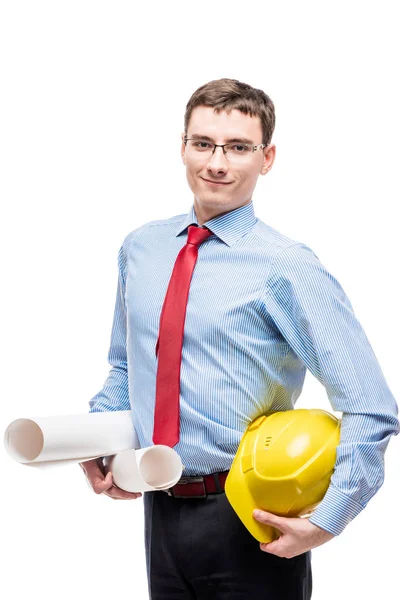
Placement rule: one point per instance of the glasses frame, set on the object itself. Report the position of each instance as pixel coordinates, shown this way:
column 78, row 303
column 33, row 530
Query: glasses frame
column 254, row 148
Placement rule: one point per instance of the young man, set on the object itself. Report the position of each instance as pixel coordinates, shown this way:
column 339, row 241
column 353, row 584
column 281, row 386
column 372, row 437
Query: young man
column 217, row 317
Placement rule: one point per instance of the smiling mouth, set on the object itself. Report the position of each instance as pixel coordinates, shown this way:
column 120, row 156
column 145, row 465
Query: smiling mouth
column 216, row 182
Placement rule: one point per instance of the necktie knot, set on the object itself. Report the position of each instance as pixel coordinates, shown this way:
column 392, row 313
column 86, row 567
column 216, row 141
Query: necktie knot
column 197, row 235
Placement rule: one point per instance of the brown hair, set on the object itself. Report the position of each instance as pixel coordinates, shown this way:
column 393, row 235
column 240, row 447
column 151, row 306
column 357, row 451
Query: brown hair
column 227, row 94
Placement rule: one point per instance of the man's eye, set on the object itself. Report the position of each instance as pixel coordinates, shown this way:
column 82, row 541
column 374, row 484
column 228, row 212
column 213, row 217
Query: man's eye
column 201, row 145
column 239, row 148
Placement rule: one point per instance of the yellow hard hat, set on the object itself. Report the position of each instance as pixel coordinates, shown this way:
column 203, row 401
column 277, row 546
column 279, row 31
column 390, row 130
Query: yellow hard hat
column 283, row 465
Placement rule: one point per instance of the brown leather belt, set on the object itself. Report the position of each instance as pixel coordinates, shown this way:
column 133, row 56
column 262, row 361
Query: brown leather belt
column 198, row 486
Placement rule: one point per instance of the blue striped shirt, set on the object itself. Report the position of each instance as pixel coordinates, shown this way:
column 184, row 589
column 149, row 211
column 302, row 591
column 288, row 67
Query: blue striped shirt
column 261, row 310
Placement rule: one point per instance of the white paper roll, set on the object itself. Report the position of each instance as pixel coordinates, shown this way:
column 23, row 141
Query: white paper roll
column 155, row 468
column 47, row 441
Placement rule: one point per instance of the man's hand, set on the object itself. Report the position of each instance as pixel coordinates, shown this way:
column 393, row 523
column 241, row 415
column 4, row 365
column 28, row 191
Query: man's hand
column 297, row 535
column 103, row 484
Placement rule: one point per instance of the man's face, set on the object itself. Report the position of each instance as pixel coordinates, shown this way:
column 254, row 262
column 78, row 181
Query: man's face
column 219, row 184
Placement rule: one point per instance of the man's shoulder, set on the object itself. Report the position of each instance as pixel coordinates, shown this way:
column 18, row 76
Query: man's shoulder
column 274, row 238
column 287, row 253
column 148, row 228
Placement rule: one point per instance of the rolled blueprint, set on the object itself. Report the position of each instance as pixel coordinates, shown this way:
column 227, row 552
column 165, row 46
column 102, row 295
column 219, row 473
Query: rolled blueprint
column 44, row 442
column 155, row 468
column 72, row 438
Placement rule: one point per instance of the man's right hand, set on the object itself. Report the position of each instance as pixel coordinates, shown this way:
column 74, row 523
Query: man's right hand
column 102, row 483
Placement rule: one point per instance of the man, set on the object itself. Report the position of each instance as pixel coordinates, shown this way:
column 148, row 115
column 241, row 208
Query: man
column 261, row 308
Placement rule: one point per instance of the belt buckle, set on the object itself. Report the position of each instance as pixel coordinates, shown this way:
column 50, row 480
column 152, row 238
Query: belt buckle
column 185, row 480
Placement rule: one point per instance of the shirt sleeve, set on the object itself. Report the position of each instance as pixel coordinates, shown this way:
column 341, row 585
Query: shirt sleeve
column 115, row 392
column 314, row 315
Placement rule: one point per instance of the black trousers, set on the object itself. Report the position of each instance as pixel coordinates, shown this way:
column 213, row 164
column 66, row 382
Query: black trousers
column 198, row 549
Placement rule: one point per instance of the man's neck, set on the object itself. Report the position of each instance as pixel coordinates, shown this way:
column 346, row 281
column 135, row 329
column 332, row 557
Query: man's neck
column 203, row 216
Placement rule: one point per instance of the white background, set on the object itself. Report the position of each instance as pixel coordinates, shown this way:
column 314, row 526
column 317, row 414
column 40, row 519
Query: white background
column 92, row 102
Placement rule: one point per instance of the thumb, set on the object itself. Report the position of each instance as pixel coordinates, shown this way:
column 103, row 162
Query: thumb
column 105, row 483
column 270, row 519
column 108, row 479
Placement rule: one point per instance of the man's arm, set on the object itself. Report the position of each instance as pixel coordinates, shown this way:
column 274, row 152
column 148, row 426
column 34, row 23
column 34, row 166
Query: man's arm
column 314, row 315
column 115, row 393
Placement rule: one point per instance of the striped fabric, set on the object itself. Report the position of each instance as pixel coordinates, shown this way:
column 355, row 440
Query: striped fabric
column 261, row 310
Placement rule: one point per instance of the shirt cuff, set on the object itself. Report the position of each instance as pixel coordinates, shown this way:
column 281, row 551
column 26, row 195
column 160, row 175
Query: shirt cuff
column 335, row 511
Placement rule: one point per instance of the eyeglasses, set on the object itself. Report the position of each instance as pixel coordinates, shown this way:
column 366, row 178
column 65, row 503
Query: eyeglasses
column 235, row 151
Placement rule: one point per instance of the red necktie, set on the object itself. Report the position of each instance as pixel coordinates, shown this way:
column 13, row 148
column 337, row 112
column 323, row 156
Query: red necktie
column 170, row 339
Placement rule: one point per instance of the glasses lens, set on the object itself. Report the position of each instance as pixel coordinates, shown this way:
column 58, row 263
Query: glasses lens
column 238, row 151
column 199, row 147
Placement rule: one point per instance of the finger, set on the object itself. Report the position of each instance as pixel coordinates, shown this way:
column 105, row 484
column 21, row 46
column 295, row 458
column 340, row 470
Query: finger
column 274, row 547
column 283, row 548
column 101, row 484
column 111, row 494
column 117, row 494
column 123, row 493
column 270, row 519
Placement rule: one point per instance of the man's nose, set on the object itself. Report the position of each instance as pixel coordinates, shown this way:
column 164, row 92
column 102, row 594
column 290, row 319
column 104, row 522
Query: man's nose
column 218, row 161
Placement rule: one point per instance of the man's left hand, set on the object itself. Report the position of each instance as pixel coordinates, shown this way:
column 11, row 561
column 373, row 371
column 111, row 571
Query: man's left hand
column 297, row 535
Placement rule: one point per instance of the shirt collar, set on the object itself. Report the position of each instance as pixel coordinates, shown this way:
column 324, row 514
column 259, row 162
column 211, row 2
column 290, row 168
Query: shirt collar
column 229, row 227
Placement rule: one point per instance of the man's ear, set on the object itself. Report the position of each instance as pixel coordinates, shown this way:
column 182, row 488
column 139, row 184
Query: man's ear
column 269, row 157
column 183, row 148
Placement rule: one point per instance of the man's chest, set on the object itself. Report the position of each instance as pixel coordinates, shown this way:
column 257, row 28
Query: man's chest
column 225, row 293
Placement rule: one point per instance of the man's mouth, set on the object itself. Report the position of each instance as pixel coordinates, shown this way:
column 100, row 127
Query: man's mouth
column 211, row 182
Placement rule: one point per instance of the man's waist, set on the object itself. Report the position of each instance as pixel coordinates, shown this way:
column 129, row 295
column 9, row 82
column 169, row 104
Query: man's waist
column 198, row 486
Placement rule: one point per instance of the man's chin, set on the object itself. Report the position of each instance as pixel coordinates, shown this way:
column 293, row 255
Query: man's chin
column 210, row 201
